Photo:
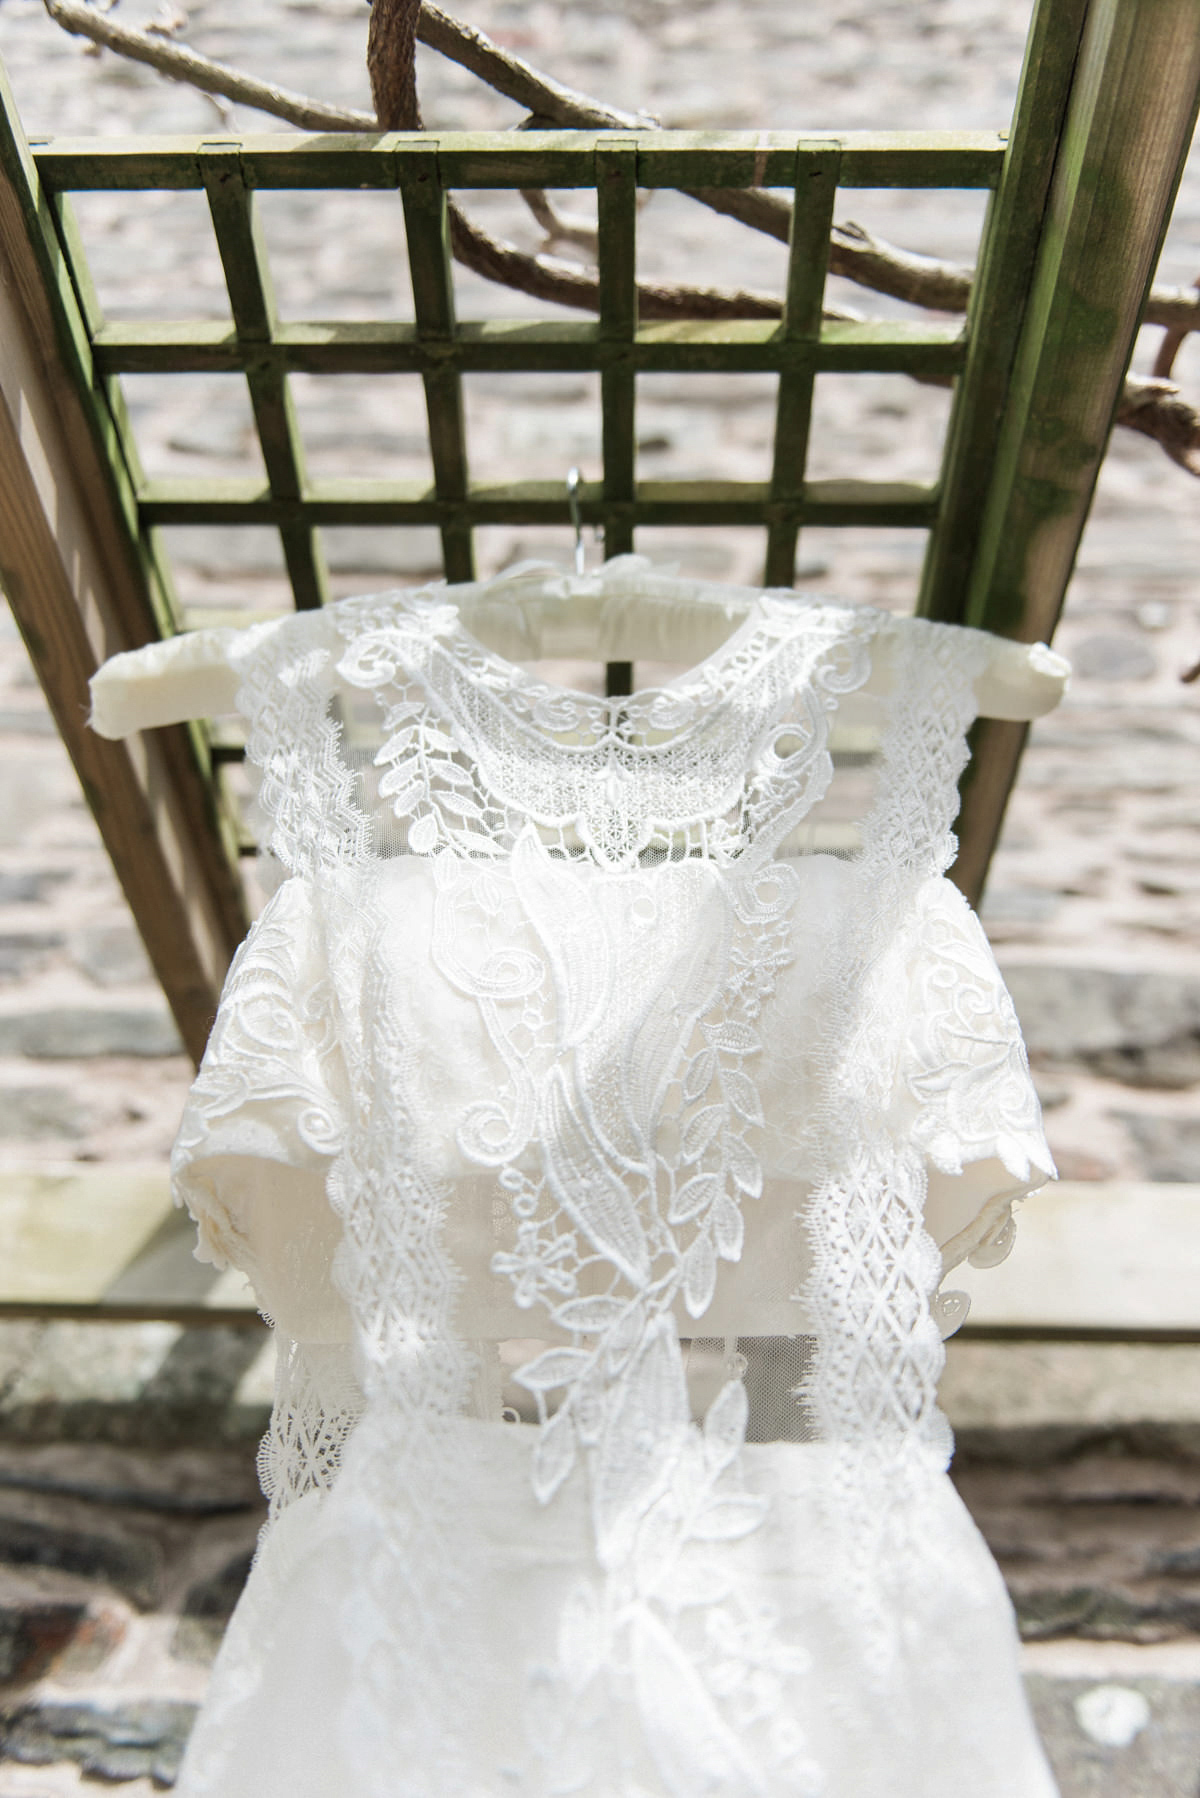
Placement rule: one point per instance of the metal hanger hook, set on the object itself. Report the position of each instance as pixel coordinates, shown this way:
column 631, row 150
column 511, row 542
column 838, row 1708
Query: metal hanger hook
column 574, row 479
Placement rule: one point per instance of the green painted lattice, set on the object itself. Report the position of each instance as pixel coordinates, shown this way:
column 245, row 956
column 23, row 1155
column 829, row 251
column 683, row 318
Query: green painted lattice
column 442, row 348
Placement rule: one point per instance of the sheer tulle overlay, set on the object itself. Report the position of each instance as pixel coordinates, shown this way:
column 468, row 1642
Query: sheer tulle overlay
column 596, row 1107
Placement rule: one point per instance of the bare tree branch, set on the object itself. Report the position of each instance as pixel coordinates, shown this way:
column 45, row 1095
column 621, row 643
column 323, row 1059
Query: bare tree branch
column 855, row 253
column 547, row 279
column 760, row 210
column 183, row 64
column 561, row 227
column 1152, row 407
column 904, row 274
column 1173, row 339
column 393, row 89
column 516, row 80
column 1175, row 308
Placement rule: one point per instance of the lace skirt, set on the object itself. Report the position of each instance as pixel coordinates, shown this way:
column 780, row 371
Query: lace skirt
column 344, row 1671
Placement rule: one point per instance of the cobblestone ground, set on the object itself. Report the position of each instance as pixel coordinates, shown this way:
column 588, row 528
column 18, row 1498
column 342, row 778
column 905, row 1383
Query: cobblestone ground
column 123, row 1539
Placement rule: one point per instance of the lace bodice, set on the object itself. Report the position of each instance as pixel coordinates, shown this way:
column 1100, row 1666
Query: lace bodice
column 595, row 1106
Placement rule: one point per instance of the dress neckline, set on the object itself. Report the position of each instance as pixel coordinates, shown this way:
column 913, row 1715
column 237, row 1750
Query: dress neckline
column 519, row 677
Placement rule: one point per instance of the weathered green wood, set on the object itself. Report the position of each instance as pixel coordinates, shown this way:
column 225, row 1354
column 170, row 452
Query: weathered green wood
column 500, row 346
column 155, row 564
column 998, row 302
column 70, row 567
column 76, row 314
column 1129, row 125
column 427, row 225
column 248, row 280
column 616, row 216
column 839, row 502
column 529, row 158
column 70, row 305
column 868, row 159
column 1132, row 114
column 808, row 258
column 66, row 225
column 118, row 433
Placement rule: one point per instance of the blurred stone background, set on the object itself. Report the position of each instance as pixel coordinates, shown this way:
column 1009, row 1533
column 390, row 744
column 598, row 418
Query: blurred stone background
column 128, row 1505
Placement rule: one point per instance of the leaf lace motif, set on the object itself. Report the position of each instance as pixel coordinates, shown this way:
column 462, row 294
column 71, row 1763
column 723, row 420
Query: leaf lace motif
column 625, row 1173
column 625, row 1168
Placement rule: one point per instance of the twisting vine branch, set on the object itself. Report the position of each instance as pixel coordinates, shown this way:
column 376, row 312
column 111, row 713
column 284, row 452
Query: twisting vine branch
column 1154, row 408
column 561, row 227
column 390, row 64
column 517, row 80
column 184, row 64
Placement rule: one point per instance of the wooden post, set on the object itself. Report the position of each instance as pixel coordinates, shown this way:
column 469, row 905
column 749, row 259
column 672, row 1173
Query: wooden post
column 1128, row 127
column 71, row 569
column 616, row 218
column 248, row 280
column 1007, row 259
column 427, row 224
column 808, row 258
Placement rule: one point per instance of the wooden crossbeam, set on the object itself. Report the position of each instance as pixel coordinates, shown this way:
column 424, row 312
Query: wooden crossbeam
column 808, row 258
column 552, row 346
column 362, row 502
column 507, row 159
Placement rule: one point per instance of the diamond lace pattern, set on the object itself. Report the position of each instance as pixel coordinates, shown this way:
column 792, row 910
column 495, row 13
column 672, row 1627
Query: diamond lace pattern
column 609, row 901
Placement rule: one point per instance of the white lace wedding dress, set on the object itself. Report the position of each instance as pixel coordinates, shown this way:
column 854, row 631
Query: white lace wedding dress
column 593, row 1107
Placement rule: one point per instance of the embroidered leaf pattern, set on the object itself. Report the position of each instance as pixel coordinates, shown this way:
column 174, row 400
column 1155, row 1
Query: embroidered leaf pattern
column 694, row 1196
column 553, row 1455
column 557, row 1367
column 699, row 1276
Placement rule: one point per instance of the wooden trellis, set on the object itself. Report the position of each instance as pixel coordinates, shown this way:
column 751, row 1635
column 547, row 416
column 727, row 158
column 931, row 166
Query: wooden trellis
column 1080, row 192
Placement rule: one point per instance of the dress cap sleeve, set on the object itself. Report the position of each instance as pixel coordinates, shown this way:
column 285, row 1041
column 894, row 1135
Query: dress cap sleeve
column 963, row 1092
column 263, row 1121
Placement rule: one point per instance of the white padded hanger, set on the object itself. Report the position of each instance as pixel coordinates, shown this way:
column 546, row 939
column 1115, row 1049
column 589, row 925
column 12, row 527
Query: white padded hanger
column 625, row 611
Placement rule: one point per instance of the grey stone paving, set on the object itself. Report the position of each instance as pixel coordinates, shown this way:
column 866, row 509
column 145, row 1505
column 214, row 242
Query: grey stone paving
column 1135, row 1739
column 1094, row 902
